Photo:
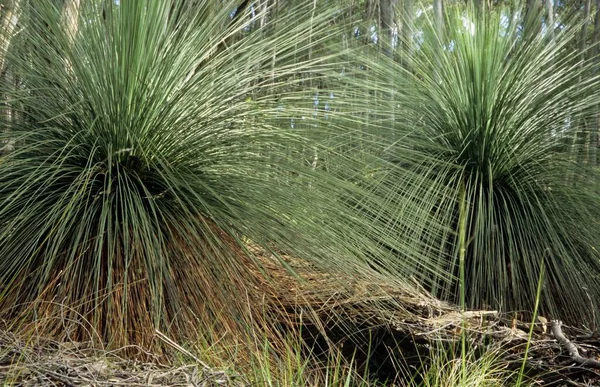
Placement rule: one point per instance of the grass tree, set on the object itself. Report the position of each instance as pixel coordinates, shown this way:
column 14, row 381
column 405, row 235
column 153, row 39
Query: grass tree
column 481, row 138
column 149, row 154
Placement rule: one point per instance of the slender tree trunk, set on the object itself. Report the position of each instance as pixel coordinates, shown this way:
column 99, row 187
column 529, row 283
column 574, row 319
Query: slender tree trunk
column 275, row 17
column 389, row 37
column 596, row 36
column 10, row 17
column 9, row 21
column 533, row 21
column 71, row 17
column 264, row 7
column 581, row 155
column 371, row 6
column 405, row 31
column 438, row 16
column 550, row 18
column 595, row 129
column 438, row 19
column 407, row 20
column 387, row 20
column 583, row 34
column 585, row 127
column 480, row 6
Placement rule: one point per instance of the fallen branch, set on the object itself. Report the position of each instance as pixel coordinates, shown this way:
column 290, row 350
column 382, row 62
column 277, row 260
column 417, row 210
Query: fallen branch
column 571, row 348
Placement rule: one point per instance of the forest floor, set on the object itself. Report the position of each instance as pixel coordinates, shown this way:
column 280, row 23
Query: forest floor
column 387, row 323
column 43, row 362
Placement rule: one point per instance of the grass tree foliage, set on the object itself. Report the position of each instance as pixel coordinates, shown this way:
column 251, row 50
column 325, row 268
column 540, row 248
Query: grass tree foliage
column 148, row 156
column 480, row 130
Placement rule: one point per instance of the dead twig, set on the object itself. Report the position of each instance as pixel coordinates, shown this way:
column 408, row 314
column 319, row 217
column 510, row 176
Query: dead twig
column 571, row 348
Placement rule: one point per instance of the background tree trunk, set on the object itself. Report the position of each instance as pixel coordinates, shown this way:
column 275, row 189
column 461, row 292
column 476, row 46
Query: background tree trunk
column 438, row 15
column 595, row 129
column 10, row 16
column 550, row 18
column 480, row 5
column 585, row 126
column 438, row 18
column 387, row 19
column 71, row 17
column 405, row 29
column 533, row 21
